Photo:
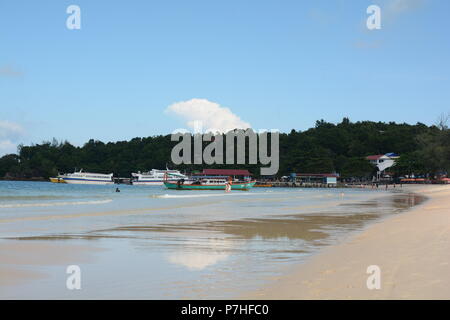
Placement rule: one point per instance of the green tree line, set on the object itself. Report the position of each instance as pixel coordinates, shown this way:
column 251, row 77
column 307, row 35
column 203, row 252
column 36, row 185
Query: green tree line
column 327, row 147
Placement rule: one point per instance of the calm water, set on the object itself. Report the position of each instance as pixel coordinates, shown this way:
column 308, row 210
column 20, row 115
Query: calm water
column 149, row 242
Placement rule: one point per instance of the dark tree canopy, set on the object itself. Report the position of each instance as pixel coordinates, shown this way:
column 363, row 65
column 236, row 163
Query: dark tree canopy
column 325, row 148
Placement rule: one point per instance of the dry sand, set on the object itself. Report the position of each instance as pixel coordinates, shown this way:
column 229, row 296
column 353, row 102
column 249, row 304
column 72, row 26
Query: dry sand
column 412, row 251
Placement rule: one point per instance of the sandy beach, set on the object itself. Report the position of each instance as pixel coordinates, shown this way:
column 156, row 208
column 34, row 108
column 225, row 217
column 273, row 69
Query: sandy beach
column 412, row 251
column 274, row 243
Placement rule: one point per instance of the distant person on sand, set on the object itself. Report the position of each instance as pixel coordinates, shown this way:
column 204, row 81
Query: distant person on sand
column 117, row 190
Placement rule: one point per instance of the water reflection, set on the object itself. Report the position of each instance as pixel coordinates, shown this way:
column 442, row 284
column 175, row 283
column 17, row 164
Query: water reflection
column 195, row 256
column 205, row 253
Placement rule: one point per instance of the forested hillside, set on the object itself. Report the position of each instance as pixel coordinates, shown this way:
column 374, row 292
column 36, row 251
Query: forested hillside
column 327, row 147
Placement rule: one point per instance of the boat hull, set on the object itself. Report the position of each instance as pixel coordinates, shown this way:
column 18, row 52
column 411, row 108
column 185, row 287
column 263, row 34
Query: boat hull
column 155, row 177
column 147, row 183
column 83, row 181
column 234, row 186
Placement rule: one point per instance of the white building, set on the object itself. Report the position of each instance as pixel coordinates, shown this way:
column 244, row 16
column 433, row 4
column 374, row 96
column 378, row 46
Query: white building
column 383, row 162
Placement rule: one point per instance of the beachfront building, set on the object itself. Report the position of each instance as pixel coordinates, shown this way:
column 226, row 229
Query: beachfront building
column 315, row 178
column 236, row 174
column 383, row 162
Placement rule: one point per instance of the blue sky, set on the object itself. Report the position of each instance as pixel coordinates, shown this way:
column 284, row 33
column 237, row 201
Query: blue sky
column 275, row 64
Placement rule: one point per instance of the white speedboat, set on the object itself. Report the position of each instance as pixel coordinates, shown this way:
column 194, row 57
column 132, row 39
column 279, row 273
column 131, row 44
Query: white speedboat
column 155, row 177
column 81, row 177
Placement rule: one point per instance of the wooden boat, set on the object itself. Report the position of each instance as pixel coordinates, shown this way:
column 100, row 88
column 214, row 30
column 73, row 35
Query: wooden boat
column 209, row 183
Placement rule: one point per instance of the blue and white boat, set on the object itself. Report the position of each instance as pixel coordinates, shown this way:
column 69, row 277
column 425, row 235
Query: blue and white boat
column 81, row 177
column 155, row 177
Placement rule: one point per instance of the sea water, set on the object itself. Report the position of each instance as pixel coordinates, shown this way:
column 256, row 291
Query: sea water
column 147, row 242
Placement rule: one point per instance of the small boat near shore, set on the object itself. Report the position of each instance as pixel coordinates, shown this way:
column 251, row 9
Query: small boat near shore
column 81, row 177
column 209, row 183
column 57, row 180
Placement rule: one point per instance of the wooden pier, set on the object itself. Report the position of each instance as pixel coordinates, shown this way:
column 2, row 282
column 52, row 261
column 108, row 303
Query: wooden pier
column 290, row 184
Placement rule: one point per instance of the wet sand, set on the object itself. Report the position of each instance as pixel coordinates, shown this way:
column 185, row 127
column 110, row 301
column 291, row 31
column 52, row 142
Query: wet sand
column 19, row 259
column 179, row 249
column 412, row 251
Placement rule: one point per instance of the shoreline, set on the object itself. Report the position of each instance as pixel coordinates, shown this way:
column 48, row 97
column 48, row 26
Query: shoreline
column 34, row 179
column 341, row 185
column 411, row 250
column 31, row 262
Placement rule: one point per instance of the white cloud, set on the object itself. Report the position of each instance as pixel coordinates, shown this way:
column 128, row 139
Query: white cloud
column 401, row 6
column 10, row 130
column 393, row 9
column 210, row 115
column 7, row 147
column 10, row 133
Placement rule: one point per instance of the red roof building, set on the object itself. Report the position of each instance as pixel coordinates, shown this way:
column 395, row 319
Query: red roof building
column 374, row 157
